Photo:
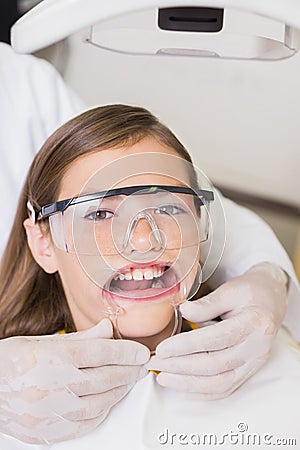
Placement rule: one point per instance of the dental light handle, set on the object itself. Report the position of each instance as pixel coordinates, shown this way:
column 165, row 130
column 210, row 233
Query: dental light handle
column 35, row 29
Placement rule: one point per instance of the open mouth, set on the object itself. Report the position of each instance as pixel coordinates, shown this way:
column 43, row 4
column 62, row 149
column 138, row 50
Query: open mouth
column 143, row 282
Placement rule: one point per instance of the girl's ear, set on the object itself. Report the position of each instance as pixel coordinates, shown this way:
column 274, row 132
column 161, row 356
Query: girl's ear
column 41, row 246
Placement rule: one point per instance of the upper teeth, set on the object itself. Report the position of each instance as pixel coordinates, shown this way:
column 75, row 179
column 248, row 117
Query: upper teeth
column 139, row 274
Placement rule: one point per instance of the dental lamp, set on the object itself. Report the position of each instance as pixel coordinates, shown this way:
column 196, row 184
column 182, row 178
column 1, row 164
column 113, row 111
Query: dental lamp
column 194, row 28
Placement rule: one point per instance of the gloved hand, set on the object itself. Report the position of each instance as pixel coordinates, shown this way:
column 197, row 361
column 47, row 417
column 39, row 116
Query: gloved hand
column 212, row 361
column 59, row 387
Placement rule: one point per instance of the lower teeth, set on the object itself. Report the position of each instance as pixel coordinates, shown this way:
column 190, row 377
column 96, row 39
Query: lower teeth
column 117, row 290
column 156, row 283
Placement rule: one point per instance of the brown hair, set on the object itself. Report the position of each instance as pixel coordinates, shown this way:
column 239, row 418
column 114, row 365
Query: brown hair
column 33, row 302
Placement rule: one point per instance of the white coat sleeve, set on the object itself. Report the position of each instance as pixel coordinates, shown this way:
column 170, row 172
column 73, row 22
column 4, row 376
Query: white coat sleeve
column 34, row 101
column 250, row 240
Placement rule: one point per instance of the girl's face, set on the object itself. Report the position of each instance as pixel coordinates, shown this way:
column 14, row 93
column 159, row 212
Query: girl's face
column 145, row 311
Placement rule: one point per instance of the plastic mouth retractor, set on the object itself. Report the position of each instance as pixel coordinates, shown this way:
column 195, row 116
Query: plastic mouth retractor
column 187, row 289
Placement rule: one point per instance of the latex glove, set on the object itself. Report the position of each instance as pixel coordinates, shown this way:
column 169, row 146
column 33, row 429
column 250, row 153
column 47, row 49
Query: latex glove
column 59, row 387
column 212, row 361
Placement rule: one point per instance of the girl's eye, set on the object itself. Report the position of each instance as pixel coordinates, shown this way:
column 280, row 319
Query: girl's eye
column 100, row 214
column 171, row 210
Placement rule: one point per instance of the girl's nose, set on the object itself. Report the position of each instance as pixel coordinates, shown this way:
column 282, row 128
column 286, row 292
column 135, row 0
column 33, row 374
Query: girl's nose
column 143, row 235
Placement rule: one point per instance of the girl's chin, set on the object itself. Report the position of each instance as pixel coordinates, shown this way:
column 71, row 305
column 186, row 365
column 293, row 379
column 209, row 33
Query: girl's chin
column 148, row 330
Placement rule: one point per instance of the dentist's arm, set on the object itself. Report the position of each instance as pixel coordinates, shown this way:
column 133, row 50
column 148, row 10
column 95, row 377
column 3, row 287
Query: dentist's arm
column 212, row 361
column 250, row 241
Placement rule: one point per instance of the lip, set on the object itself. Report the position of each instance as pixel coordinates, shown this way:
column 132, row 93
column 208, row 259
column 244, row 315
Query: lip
column 142, row 265
column 135, row 295
column 151, row 294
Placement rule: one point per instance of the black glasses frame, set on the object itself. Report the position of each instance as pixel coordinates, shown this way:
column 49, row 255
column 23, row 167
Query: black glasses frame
column 203, row 195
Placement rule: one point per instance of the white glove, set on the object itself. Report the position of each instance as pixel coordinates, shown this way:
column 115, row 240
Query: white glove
column 212, row 361
column 59, row 387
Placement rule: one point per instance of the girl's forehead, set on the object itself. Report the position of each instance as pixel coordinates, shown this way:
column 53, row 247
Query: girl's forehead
column 147, row 162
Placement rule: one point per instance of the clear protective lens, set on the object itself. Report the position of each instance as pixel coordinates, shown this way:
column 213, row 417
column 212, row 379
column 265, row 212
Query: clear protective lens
column 141, row 228
column 113, row 225
column 164, row 304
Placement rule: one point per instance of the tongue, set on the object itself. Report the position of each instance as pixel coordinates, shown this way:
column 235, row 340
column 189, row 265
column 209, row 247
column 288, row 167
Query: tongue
column 132, row 285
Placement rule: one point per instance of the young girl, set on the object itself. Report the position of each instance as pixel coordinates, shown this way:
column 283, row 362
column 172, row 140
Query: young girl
column 111, row 210
column 109, row 225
